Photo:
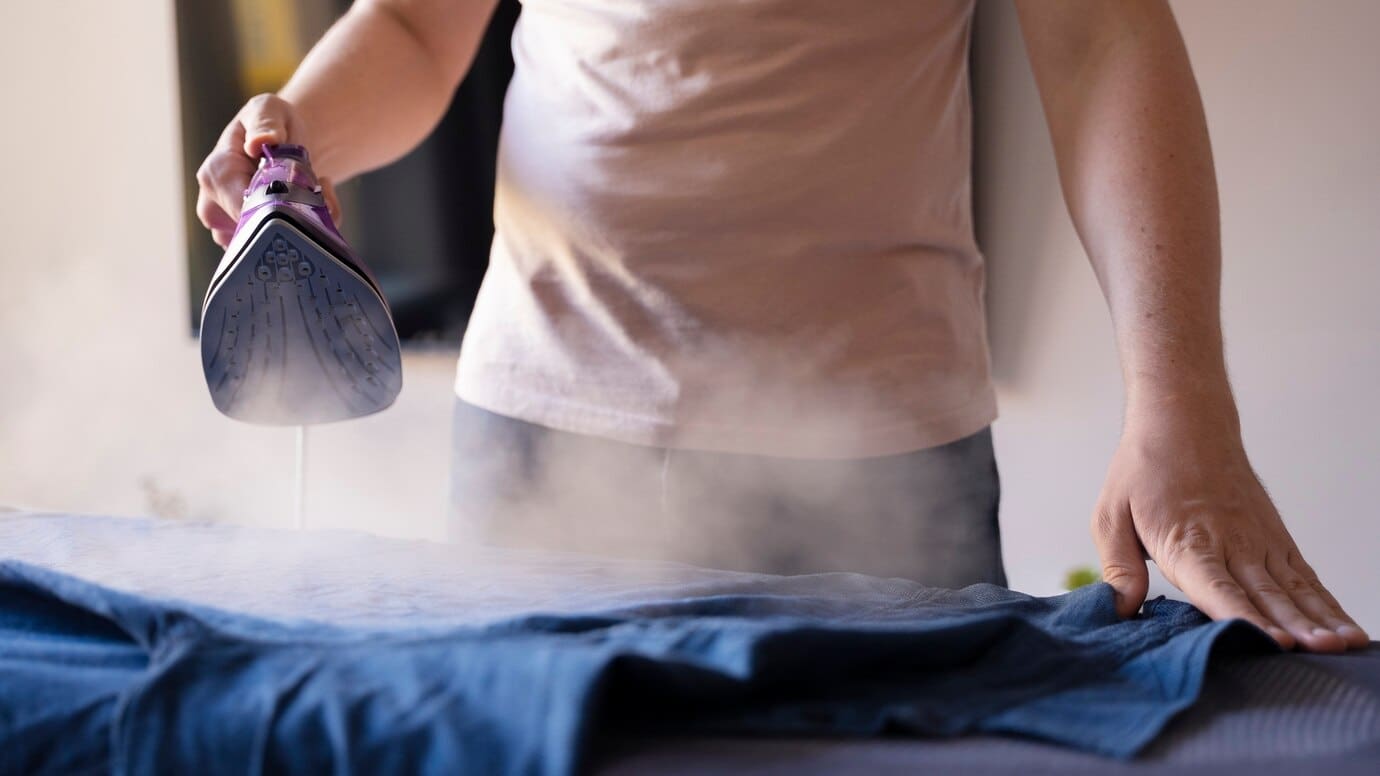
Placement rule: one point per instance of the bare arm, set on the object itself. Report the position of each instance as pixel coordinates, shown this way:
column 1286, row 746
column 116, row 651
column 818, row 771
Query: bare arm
column 370, row 90
column 1137, row 173
column 379, row 81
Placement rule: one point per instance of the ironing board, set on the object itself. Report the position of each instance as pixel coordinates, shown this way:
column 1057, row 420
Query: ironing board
column 1282, row 714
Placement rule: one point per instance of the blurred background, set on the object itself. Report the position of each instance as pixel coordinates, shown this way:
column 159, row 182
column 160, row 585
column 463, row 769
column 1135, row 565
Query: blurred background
column 110, row 107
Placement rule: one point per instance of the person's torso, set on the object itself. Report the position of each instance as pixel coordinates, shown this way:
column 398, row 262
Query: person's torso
column 717, row 221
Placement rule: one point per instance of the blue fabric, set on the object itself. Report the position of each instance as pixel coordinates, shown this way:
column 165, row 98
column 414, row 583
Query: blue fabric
column 92, row 679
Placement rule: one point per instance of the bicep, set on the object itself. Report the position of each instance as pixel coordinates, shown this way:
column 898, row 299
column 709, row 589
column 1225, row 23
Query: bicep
column 449, row 31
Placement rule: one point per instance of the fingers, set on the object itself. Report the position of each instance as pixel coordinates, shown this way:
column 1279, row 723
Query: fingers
column 1271, row 599
column 214, row 218
column 227, row 170
column 1299, row 580
column 1123, row 558
column 1268, row 585
column 266, row 119
column 1197, row 564
column 223, row 177
column 1199, row 569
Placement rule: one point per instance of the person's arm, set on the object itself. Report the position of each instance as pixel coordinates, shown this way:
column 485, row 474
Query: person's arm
column 1137, row 174
column 373, row 88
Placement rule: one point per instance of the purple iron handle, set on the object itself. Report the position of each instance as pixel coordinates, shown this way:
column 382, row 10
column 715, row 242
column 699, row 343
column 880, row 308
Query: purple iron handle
column 294, row 329
column 286, row 180
column 285, row 176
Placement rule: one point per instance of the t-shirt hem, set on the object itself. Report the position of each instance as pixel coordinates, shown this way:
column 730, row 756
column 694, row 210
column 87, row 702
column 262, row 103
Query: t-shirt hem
column 906, row 434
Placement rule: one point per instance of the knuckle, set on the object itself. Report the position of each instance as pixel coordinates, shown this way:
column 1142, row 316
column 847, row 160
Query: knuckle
column 220, row 168
column 1266, row 590
column 210, row 169
column 1196, row 537
column 1239, row 541
column 263, row 100
column 209, row 222
column 1297, row 585
column 1223, row 586
column 1114, row 572
column 1190, row 540
column 265, row 109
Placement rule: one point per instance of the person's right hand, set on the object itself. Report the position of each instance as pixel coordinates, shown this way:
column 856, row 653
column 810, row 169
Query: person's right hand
column 265, row 120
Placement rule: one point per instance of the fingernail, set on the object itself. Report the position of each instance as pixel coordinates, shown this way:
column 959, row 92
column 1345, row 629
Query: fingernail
column 1323, row 632
column 1278, row 634
column 1350, row 631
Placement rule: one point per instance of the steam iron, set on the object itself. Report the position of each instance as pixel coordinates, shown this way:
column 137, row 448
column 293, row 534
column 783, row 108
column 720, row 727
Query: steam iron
column 294, row 330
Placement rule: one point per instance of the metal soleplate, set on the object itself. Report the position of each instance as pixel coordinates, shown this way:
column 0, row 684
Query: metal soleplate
column 292, row 336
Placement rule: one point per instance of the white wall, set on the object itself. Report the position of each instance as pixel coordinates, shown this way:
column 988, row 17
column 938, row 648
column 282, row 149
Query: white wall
column 1294, row 113
column 100, row 387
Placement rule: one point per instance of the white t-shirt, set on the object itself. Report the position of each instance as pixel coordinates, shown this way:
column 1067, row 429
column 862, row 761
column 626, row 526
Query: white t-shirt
column 736, row 225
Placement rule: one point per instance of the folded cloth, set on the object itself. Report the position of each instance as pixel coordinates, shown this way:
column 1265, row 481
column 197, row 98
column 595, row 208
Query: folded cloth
column 92, row 678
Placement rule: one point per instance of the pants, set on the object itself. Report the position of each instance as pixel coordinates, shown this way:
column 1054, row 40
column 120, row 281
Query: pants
column 928, row 515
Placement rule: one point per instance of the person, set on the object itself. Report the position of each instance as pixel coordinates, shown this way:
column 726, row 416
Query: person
column 733, row 313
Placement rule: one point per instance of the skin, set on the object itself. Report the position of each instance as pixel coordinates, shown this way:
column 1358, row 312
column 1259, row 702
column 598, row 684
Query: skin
column 1136, row 168
column 371, row 90
column 1137, row 173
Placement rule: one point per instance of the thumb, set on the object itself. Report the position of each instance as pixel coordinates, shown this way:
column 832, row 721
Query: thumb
column 267, row 120
column 1123, row 557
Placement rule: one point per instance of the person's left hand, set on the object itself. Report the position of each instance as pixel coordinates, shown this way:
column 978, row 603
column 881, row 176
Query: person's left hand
column 1181, row 490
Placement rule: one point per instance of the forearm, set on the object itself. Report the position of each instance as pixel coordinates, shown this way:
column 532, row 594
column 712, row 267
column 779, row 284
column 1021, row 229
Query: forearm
column 377, row 83
column 1136, row 167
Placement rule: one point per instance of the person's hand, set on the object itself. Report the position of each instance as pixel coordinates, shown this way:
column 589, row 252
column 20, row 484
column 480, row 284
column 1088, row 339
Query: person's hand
column 265, row 120
column 1181, row 490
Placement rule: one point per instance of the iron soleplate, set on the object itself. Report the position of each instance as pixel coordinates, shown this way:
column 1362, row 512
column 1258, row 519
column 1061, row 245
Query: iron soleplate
column 290, row 335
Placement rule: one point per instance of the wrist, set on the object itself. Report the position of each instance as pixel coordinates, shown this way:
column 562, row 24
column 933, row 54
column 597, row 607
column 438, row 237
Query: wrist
column 1198, row 404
